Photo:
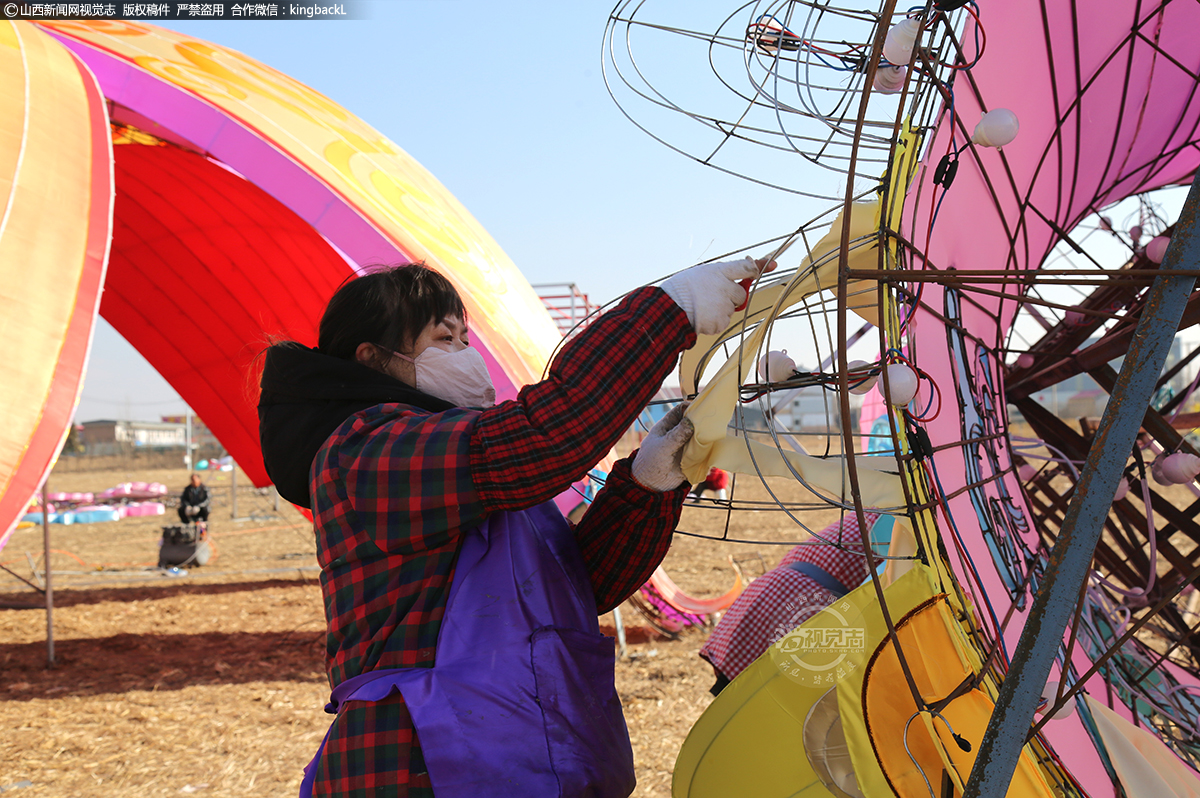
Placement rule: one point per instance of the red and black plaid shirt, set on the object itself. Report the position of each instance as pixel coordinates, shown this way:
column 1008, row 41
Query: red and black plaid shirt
column 395, row 487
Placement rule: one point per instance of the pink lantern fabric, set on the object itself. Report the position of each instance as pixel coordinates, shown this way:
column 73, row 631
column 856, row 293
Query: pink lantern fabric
column 1107, row 102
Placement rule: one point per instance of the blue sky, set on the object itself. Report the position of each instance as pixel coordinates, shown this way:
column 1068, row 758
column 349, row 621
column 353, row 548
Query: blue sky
column 506, row 105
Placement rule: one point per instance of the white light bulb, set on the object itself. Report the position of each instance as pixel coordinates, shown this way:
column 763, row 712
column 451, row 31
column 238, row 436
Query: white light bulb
column 1025, row 360
column 889, row 80
column 998, row 127
column 775, row 366
column 898, row 46
column 1181, row 467
column 1156, row 250
column 858, row 372
column 1048, row 694
column 1122, row 489
column 902, row 384
column 1135, row 233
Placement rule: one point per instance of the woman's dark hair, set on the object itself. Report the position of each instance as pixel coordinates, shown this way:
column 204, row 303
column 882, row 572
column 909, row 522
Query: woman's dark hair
column 389, row 307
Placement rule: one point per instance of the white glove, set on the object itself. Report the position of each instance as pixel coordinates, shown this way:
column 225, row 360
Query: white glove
column 656, row 466
column 708, row 293
column 192, row 510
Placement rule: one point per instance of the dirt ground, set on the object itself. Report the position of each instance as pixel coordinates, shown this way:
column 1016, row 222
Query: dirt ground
column 211, row 682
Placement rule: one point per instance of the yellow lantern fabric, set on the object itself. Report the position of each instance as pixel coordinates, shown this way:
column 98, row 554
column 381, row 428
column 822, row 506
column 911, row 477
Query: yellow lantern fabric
column 914, row 749
column 751, row 739
column 268, row 184
column 56, row 193
column 807, row 721
column 365, row 170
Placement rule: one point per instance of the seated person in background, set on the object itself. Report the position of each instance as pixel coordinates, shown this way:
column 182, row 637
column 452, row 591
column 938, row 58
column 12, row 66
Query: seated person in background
column 809, row 578
column 193, row 504
column 716, row 481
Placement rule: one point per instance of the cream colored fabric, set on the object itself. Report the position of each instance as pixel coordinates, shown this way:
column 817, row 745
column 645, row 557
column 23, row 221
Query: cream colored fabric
column 810, row 279
column 818, row 271
column 1144, row 764
column 693, row 361
column 713, row 407
column 714, row 445
column 827, row 476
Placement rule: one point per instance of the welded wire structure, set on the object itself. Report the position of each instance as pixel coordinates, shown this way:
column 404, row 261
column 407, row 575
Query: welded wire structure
column 787, row 79
column 1030, row 279
column 783, row 79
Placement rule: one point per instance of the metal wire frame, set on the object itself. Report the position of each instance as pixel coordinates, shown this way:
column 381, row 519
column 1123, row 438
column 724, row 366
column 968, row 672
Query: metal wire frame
column 758, row 85
column 1161, row 630
column 1014, row 283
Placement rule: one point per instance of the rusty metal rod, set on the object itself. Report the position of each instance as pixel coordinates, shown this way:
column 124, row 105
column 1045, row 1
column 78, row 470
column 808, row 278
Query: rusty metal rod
column 1071, row 557
column 1030, row 300
column 1099, row 281
column 1024, row 276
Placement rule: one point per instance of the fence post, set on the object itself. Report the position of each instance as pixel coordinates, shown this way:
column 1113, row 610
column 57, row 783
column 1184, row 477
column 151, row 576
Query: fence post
column 49, row 591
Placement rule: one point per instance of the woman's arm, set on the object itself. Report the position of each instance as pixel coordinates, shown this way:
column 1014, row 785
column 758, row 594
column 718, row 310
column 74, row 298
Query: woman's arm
column 526, row 451
column 625, row 534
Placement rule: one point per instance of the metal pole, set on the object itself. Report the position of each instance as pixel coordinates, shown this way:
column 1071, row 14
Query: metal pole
column 1071, row 557
column 619, row 625
column 49, row 585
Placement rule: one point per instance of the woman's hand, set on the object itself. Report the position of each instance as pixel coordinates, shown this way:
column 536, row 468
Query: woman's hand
column 656, row 466
column 710, row 293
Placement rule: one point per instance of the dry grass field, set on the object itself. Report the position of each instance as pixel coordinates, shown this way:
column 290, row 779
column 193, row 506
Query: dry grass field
column 212, row 682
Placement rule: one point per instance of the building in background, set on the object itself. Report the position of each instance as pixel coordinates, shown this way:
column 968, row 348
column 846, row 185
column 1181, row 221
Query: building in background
column 106, row 437
column 202, row 438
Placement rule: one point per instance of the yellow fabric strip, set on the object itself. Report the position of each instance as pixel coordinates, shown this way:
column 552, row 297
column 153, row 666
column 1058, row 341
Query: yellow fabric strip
column 46, row 130
column 713, row 406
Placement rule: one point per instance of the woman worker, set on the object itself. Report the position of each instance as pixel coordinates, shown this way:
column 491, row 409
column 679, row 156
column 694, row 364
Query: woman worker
column 463, row 644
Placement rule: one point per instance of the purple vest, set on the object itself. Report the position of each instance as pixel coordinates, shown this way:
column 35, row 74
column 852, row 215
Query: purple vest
column 520, row 701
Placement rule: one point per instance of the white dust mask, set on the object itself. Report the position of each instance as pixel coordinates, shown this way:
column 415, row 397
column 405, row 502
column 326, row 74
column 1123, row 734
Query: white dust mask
column 460, row 378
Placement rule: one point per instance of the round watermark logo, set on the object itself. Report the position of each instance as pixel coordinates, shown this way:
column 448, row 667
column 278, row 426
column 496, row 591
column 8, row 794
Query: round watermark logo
column 823, row 641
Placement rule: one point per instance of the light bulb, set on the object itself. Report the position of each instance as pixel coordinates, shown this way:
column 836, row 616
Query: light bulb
column 868, row 380
column 1156, row 470
column 1122, row 489
column 1181, row 467
column 775, row 366
column 1024, row 360
column 902, row 384
column 1156, row 250
column 1048, row 694
column 889, row 80
column 1105, row 223
column 1136, row 602
column 898, row 46
column 998, row 127
column 1135, row 233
